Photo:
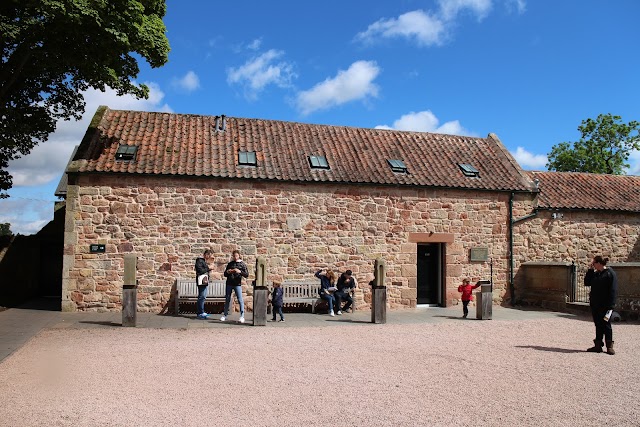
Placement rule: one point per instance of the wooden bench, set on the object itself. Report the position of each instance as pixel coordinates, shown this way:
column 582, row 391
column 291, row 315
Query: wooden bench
column 187, row 291
column 303, row 291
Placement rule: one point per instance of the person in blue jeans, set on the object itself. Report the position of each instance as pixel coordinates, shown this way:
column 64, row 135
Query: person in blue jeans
column 234, row 272
column 327, row 287
column 202, row 281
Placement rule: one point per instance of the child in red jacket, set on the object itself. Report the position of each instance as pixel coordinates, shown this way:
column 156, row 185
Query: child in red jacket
column 467, row 289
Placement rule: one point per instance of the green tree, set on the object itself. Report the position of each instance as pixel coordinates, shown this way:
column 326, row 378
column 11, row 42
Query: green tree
column 52, row 50
column 5, row 229
column 604, row 147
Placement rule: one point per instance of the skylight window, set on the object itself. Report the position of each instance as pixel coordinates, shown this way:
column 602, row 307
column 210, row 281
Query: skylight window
column 318, row 162
column 397, row 165
column 247, row 158
column 468, row 170
column 126, row 152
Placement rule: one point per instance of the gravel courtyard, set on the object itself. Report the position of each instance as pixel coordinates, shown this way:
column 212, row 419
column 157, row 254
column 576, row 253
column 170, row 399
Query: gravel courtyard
column 452, row 373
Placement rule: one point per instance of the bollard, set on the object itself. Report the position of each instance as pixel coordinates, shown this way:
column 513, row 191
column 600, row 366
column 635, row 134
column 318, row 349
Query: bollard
column 130, row 291
column 260, row 294
column 378, row 293
column 484, row 300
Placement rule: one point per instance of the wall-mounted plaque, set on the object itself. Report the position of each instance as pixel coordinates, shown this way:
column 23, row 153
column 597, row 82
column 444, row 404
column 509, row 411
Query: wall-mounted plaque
column 479, row 254
column 96, row 248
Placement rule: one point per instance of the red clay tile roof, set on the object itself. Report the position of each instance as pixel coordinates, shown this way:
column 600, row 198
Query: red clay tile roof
column 576, row 190
column 181, row 144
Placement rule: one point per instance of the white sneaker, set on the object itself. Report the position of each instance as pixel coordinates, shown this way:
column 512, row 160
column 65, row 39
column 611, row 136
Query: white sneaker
column 222, row 319
column 242, row 319
column 339, row 313
column 331, row 313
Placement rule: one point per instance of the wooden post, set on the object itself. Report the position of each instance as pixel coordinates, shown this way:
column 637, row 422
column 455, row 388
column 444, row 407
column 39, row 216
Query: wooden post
column 379, row 293
column 260, row 294
column 130, row 291
column 484, row 300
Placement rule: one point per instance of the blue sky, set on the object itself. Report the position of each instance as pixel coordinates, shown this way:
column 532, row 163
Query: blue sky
column 529, row 71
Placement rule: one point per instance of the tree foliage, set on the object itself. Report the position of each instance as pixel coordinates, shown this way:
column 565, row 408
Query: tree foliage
column 5, row 229
column 52, row 50
column 604, row 147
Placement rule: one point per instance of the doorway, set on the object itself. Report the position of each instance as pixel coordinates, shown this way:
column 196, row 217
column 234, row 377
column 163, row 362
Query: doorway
column 430, row 274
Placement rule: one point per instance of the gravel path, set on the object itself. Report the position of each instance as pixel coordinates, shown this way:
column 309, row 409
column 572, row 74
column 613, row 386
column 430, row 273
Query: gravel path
column 491, row 373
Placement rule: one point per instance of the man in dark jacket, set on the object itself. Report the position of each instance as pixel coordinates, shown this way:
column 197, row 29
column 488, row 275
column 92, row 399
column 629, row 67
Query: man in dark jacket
column 602, row 299
column 234, row 272
column 202, row 281
column 346, row 283
column 277, row 296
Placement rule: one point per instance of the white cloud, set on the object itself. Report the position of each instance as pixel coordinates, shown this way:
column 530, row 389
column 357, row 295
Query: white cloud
column 261, row 71
column 425, row 29
column 429, row 28
column 255, row 44
column 12, row 210
column 426, row 121
column 529, row 160
column 449, row 9
column 634, row 163
column 188, row 83
column 519, row 6
column 348, row 85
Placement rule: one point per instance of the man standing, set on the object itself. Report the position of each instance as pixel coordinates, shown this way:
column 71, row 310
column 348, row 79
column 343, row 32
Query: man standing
column 202, row 281
column 234, row 272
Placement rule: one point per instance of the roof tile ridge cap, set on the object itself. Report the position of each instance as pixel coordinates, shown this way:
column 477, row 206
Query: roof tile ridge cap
column 524, row 179
column 97, row 122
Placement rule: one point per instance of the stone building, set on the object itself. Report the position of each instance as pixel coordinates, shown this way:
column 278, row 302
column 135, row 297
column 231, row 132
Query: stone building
column 436, row 207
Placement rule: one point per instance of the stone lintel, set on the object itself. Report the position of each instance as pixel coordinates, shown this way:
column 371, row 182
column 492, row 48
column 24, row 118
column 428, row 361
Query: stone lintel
column 431, row 237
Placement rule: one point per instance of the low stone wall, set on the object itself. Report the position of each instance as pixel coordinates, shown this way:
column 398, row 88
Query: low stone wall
column 628, row 304
column 544, row 284
column 549, row 285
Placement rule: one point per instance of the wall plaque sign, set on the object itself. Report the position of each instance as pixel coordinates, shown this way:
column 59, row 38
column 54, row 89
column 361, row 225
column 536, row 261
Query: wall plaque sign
column 96, row 248
column 479, row 254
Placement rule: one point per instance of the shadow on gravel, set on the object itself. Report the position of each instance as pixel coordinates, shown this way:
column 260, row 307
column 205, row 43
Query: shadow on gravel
column 456, row 317
column 103, row 323
column 348, row 321
column 553, row 349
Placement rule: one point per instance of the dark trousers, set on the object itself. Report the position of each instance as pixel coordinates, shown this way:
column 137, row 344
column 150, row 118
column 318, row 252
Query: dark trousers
column 465, row 309
column 603, row 327
column 277, row 308
column 340, row 296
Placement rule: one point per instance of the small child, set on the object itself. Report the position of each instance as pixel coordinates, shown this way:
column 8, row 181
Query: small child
column 276, row 301
column 467, row 289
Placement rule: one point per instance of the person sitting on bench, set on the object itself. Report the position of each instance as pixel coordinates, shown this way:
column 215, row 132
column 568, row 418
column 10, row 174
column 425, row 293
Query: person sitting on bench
column 327, row 287
column 346, row 282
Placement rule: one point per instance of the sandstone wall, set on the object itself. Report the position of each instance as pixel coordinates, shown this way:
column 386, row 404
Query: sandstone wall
column 169, row 221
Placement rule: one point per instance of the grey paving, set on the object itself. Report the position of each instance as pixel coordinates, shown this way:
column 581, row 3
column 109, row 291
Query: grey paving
column 19, row 325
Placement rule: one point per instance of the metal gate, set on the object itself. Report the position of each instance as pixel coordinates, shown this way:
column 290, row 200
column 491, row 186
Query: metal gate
column 579, row 292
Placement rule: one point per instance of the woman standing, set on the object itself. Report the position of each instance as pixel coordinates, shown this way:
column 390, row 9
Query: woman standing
column 602, row 299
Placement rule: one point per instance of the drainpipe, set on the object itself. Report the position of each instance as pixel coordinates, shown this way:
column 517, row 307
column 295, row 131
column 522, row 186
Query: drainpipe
column 511, row 290
column 512, row 222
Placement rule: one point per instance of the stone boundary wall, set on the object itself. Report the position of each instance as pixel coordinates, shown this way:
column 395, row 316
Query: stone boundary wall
column 544, row 284
column 628, row 287
column 168, row 221
column 548, row 284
